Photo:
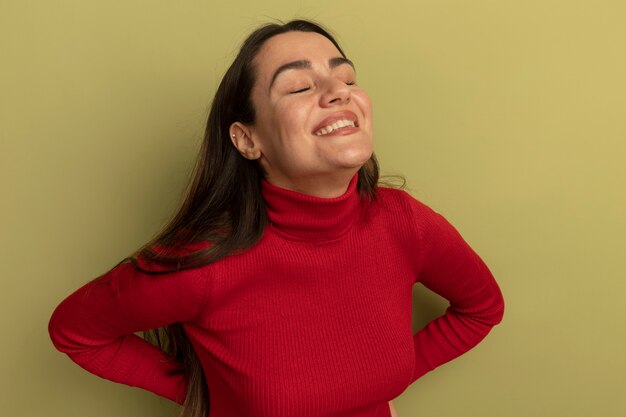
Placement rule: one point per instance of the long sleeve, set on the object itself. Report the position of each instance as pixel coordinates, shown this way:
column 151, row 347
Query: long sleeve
column 450, row 268
column 95, row 326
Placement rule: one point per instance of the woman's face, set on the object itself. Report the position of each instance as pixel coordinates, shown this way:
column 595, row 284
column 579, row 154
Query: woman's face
column 313, row 125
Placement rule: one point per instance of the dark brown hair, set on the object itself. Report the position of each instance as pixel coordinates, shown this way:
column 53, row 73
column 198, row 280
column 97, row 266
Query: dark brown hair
column 223, row 204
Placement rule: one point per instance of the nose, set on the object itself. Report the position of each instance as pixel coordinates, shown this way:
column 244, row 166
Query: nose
column 336, row 92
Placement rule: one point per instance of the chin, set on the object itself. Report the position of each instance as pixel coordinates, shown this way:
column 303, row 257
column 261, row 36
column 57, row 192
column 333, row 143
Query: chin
column 356, row 158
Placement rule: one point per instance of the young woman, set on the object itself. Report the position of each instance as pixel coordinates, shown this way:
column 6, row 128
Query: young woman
column 283, row 286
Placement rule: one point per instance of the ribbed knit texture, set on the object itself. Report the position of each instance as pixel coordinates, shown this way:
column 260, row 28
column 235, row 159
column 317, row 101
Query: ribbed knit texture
column 313, row 321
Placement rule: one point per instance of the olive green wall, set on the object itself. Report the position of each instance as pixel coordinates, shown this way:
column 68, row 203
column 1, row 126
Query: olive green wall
column 509, row 117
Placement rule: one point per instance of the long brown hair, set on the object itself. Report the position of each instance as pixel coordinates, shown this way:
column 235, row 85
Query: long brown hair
column 223, row 203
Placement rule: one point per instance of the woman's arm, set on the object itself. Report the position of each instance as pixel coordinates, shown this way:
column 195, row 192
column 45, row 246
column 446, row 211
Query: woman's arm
column 95, row 326
column 448, row 266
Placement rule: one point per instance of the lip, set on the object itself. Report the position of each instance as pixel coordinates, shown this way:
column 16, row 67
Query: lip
column 340, row 115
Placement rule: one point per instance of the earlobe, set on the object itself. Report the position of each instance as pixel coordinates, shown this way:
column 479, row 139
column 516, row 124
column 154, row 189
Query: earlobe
column 241, row 137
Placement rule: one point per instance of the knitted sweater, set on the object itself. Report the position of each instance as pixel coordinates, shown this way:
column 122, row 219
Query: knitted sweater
column 312, row 321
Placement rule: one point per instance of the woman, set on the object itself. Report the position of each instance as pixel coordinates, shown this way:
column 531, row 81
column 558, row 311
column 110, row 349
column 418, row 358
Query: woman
column 285, row 280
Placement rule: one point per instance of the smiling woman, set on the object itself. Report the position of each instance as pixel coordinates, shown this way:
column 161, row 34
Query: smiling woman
column 283, row 286
column 313, row 126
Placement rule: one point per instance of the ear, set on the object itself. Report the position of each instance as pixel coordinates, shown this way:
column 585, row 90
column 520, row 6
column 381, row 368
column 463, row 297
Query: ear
column 241, row 136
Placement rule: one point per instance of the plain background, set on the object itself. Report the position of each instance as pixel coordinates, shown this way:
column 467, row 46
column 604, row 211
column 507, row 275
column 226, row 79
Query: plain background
column 506, row 116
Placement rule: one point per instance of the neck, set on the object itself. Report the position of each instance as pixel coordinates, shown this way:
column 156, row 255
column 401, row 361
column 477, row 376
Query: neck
column 322, row 186
column 306, row 217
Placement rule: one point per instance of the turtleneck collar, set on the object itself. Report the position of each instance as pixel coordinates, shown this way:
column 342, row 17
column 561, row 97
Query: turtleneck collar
column 303, row 217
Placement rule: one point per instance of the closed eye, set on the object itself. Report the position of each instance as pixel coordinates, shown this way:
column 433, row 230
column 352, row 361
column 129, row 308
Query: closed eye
column 302, row 90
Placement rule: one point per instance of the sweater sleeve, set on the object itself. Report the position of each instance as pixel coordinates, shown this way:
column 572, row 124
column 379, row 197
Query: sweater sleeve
column 95, row 326
column 449, row 267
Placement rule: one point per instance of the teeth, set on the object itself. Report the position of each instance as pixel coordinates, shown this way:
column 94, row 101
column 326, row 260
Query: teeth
column 338, row 124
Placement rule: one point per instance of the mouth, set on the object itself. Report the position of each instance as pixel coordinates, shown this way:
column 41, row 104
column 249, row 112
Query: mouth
column 345, row 121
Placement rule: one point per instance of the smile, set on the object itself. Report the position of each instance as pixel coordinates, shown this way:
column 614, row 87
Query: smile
column 335, row 126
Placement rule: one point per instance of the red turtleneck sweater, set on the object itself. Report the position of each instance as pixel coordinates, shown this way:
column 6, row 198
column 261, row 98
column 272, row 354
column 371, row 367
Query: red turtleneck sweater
column 314, row 320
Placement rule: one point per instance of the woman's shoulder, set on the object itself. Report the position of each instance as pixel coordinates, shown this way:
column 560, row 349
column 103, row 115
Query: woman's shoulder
column 398, row 201
column 397, row 197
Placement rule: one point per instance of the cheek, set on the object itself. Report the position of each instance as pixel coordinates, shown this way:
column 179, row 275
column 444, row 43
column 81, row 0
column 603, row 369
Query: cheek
column 292, row 117
column 365, row 104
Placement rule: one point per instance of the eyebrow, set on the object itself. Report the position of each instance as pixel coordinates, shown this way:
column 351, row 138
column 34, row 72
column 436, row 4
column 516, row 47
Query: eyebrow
column 306, row 64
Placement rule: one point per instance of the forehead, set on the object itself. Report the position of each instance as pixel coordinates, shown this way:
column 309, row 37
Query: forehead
column 292, row 46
